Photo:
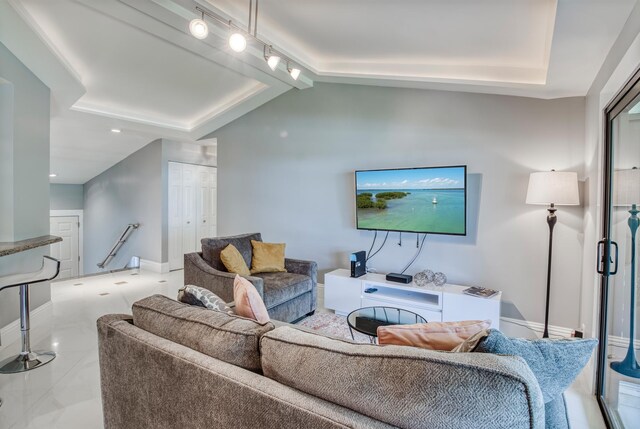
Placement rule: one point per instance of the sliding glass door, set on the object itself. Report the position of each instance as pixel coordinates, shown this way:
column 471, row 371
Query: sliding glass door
column 618, row 371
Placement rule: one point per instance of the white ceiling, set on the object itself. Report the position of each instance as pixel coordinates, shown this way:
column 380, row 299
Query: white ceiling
column 532, row 48
column 131, row 64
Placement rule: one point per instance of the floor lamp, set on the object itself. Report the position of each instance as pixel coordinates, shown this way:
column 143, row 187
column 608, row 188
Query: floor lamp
column 626, row 193
column 552, row 188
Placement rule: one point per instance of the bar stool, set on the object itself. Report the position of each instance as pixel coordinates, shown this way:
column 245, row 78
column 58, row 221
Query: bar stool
column 28, row 359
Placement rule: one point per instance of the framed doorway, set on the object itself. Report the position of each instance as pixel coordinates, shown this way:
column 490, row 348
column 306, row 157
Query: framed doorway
column 68, row 224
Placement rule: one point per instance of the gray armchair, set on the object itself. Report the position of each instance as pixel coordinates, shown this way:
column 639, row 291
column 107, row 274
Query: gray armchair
column 288, row 296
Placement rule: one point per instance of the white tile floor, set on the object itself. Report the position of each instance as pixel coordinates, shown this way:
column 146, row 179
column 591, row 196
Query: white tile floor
column 66, row 393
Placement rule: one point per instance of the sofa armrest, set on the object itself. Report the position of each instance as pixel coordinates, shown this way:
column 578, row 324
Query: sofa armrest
column 197, row 272
column 298, row 266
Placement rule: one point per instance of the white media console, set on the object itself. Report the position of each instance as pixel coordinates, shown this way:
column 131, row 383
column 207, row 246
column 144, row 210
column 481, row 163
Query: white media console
column 343, row 294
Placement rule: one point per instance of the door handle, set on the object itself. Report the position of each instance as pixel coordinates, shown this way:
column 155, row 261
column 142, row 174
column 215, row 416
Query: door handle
column 605, row 259
column 600, row 264
column 615, row 269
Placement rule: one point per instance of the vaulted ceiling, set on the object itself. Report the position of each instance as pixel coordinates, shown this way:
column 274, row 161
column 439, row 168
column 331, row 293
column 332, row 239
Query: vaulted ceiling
column 132, row 64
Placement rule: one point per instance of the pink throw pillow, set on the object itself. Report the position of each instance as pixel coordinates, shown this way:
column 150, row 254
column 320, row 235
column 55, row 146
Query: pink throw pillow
column 248, row 302
column 433, row 336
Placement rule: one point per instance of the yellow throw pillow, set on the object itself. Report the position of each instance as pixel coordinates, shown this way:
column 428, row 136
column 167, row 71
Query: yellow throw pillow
column 233, row 261
column 267, row 257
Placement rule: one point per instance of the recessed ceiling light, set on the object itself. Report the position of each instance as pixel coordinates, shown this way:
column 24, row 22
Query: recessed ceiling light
column 52, row 174
column 115, row 130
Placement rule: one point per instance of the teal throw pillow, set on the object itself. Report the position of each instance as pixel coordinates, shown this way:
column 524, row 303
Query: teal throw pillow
column 554, row 362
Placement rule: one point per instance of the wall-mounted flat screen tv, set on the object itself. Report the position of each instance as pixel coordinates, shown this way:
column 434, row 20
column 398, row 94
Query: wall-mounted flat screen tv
column 429, row 200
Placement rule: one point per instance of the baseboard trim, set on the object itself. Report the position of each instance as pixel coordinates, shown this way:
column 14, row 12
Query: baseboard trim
column 554, row 331
column 156, row 267
column 11, row 332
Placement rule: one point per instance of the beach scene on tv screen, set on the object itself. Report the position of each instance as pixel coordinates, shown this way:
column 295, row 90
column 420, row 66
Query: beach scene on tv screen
column 429, row 200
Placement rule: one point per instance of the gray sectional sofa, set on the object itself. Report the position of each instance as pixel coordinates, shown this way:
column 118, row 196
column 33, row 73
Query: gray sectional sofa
column 171, row 365
column 288, row 296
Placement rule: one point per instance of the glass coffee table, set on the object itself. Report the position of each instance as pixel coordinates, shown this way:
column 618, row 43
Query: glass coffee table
column 366, row 320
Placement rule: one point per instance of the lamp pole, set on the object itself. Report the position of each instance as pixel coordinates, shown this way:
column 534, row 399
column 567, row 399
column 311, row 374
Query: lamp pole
column 629, row 366
column 551, row 221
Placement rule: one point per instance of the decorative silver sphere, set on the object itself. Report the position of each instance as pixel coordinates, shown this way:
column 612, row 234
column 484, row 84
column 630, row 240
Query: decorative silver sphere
column 420, row 279
column 429, row 275
column 423, row 278
column 439, row 279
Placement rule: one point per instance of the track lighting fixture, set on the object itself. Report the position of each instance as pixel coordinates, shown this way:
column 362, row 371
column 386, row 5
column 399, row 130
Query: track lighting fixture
column 272, row 59
column 237, row 42
column 238, row 37
column 294, row 72
column 199, row 28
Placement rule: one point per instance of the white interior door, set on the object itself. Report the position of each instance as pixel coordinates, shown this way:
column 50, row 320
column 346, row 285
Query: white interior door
column 175, row 216
column 189, row 186
column 192, row 209
column 206, row 203
column 66, row 251
column 212, row 202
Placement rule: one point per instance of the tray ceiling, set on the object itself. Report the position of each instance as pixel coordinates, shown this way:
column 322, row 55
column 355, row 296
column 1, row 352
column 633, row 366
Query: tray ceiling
column 132, row 64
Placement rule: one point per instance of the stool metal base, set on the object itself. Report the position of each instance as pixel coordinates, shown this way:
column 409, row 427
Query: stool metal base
column 26, row 362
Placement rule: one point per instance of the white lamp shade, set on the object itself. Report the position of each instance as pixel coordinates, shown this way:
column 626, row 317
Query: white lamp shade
column 557, row 187
column 626, row 187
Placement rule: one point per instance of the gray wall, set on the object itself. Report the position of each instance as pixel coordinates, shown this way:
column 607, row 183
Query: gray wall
column 66, row 197
column 135, row 191
column 24, row 167
column 286, row 169
column 128, row 192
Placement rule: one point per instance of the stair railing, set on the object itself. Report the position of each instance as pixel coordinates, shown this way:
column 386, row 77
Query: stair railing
column 118, row 244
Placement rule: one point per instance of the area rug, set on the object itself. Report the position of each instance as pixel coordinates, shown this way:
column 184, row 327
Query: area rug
column 333, row 325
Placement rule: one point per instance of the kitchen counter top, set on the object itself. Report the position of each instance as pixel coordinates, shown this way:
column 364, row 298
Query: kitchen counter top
column 11, row 247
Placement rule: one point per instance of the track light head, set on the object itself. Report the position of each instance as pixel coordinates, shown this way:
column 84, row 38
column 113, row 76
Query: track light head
column 199, row 28
column 273, row 62
column 237, row 42
column 272, row 59
column 294, row 72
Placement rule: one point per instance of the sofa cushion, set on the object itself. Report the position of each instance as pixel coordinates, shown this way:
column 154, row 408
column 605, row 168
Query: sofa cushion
column 555, row 414
column 230, row 338
column 406, row 387
column 470, row 344
column 233, row 261
column 267, row 257
column 248, row 302
column 195, row 295
column 433, row 335
column 555, row 362
column 211, row 248
column 282, row 287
